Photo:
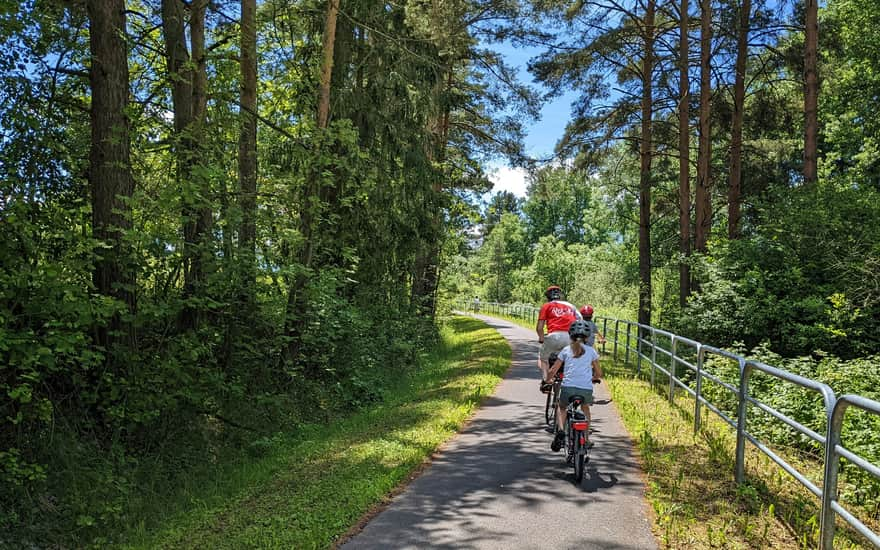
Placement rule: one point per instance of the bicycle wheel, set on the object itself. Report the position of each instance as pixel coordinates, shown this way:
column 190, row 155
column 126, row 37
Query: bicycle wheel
column 578, row 450
column 548, row 409
column 557, row 387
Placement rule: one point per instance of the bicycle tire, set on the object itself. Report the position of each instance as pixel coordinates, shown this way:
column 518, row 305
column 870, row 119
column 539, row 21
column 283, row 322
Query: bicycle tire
column 557, row 388
column 578, row 457
column 548, row 407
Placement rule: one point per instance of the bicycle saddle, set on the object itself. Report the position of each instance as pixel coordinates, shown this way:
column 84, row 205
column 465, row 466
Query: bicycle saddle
column 576, row 399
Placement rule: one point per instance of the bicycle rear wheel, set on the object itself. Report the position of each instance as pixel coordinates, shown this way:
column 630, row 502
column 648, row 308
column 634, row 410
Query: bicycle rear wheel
column 578, row 456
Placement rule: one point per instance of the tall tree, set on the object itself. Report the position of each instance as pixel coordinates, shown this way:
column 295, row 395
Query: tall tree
column 811, row 91
column 329, row 41
column 684, row 153
column 110, row 178
column 645, row 157
column 703, row 198
column 310, row 201
column 247, row 141
column 736, row 138
column 502, row 202
column 187, row 75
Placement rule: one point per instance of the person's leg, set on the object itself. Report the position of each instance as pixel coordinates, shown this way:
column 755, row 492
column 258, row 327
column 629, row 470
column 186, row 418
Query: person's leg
column 560, row 416
column 543, row 366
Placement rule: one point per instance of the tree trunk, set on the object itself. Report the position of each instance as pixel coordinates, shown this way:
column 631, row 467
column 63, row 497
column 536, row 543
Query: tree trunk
column 684, row 167
column 201, row 230
column 739, row 98
column 181, row 76
column 110, row 178
column 296, row 299
column 703, row 197
column 645, row 169
column 323, row 116
column 811, row 92
column 426, row 273
column 247, row 142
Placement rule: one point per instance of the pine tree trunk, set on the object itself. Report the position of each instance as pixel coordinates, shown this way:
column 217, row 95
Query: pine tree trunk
column 110, row 179
column 645, row 147
column 684, row 167
column 181, row 77
column 703, row 199
column 739, row 98
column 811, row 92
column 247, row 142
column 296, row 299
column 323, row 116
column 200, row 228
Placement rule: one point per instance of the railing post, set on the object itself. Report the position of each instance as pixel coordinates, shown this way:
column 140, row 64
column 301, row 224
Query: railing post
column 626, row 355
column 616, row 336
column 653, row 355
column 639, row 348
column 832, row 466
column 745, row 371
column 604, row 332
column 699, row 387
column 672, row 365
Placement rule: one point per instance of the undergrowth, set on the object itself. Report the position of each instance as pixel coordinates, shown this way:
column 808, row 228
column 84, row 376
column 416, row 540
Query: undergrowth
column 306, row 488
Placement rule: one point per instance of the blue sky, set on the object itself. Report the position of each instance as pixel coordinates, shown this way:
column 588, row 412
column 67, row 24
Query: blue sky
column 541, row 135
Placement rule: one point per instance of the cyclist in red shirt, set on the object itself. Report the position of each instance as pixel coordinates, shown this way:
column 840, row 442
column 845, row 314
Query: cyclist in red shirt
column 557, row 315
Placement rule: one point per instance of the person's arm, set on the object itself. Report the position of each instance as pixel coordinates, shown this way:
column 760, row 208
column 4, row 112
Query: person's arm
column 540, row 330
column 551, row 374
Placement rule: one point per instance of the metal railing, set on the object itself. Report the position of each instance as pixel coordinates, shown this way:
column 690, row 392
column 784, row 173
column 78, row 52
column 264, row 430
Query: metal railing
column 680, row 352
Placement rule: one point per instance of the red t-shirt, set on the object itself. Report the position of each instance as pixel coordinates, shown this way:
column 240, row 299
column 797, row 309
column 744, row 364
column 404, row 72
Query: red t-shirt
column 559, row 315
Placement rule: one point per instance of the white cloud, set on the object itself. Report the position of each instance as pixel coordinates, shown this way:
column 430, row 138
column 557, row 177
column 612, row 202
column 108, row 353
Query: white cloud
column 510, row 179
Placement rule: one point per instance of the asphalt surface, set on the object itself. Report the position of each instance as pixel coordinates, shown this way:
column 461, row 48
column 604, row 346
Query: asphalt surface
column 498, row 485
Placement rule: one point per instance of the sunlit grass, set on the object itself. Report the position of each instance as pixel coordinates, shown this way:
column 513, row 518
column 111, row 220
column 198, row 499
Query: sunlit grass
column 312, row 486
column 691, row 486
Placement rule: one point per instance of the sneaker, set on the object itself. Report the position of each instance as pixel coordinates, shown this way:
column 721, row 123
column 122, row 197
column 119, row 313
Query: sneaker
column 550, row 429
column 557, row 442
column 545, row 387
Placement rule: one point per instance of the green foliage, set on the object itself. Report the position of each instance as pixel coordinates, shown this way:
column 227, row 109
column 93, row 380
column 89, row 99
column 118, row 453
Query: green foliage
column 503, row 252
column 368, row 452
column 560, row 203
column 804, row 281
column 226, row 345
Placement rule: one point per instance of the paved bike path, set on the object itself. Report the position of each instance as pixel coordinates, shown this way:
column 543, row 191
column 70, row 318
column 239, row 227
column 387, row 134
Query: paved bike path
column 498, row 485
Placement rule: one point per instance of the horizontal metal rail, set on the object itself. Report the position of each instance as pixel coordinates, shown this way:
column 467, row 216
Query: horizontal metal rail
column 642, row 341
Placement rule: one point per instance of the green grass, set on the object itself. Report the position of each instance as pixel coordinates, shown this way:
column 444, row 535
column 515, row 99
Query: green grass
column 309, row 488
column 696, row 502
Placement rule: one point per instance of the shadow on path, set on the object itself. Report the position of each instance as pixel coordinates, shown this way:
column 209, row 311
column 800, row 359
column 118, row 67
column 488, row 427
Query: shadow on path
column 498, row 485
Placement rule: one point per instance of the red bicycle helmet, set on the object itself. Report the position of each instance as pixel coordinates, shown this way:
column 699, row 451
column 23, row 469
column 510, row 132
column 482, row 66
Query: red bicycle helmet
column 587, row 310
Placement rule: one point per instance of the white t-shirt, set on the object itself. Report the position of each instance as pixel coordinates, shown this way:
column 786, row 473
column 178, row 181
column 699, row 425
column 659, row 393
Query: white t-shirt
column 578, row 370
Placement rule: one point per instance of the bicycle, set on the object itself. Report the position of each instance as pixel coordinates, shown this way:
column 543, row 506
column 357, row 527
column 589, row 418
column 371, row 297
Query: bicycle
column 553, row 399
column 576, row 442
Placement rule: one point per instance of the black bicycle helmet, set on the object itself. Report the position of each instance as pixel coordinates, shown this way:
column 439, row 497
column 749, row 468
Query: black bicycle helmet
column 580, row 329
column 553, row 293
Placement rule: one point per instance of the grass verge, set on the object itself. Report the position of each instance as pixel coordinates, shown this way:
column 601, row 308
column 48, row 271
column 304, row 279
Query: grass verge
column 696, row 501
column 311, row 487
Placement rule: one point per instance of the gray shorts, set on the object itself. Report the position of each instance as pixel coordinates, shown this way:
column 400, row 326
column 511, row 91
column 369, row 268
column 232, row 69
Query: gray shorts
column 568, row 391
column 553, row 343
